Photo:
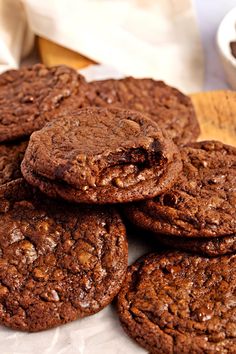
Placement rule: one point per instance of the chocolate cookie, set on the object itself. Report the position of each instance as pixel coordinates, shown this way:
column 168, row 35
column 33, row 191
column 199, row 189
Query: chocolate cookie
column 11, row 155
column 171, row 109
column 58, row 262
column 202, row 201
column 31, row 96
column 177, row 303
column 101, row 155
column 213, row 246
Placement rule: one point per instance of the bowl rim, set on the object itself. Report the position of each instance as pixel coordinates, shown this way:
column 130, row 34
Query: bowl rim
column 228, row 17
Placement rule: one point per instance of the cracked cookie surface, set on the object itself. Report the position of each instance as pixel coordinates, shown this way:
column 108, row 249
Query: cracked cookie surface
column 31, row 96
column 58, row 262
column 101, row 155
column 168, row 107
column 176, row 303
column 202, row 201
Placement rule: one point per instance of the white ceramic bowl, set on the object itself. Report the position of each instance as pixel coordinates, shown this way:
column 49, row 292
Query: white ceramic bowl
column 225, row 34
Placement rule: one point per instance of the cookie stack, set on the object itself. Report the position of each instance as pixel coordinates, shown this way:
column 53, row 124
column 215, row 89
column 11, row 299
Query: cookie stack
column 63, row 247
column 198, row 213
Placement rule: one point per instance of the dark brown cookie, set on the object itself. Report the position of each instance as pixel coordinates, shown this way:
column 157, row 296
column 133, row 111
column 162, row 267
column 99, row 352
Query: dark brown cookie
column 177, row 303
column 58, row 262
column 101, row 155
column 31, row 96
column 171, row 109
column 202, row 202
column 11, row 155
column 211, row 246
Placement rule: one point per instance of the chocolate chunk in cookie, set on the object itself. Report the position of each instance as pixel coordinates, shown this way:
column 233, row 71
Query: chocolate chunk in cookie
column 101, row 155
column 202, row 201
column 170, row 108
column 29, row 97
column 58, row 261
column 178, row 303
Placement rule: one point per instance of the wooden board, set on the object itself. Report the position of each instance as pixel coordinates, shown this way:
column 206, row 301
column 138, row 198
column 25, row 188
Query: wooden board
column 216, row 110
column 53, row 54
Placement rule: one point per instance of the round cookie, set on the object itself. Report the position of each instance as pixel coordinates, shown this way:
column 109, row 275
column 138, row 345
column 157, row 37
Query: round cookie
column 101, row 155
column 213, row 246
column 58, row 262
column 177, row 303
column 171, row 109
column 202, row 201
column 31, row 96
column 11, row 155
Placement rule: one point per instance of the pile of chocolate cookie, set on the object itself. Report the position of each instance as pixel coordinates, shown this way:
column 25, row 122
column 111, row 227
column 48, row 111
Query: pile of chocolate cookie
column 77, row 160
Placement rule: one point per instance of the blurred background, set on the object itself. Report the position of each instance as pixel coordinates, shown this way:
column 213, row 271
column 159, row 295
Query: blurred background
column 172, row 40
